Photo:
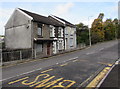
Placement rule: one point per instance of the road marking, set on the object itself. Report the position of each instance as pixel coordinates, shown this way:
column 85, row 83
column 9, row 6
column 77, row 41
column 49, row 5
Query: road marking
column 98, row 78
column 31, row 71
column 57, row 63
column 75, row 60
column 86, row 80
column 64, row 61
column 105, row 63
column 101, row 49
column 28, row 61
column 49, row 84
column 21, row 74
column 26, row 82
column 18, row 80
column 106, row 75
column 64, row 64
column 46, row 70
column 90, row 53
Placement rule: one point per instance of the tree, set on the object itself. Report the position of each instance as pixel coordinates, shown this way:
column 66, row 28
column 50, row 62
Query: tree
column 97, row 32
column 82, row 34
column 118, row 35
column 109, row 28
column 117, row 28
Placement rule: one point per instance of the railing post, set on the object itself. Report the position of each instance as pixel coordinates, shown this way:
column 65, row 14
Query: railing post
column 20, row 55
column 35, row 53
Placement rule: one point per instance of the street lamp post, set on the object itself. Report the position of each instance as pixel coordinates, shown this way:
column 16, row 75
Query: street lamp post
column 89, row 32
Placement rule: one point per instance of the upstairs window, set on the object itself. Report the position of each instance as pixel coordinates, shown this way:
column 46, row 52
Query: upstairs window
column 39, row 30
column 52, row 31
column 60, row 32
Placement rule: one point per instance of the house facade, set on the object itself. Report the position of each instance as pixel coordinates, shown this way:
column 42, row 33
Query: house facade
column 69, row 33
column 43, row 35
column 27, row 30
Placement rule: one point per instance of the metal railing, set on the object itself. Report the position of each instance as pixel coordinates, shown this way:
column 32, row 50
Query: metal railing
column 16, row 55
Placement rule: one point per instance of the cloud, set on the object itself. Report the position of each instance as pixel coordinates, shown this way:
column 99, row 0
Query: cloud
column 4, row 16
column 62, row 9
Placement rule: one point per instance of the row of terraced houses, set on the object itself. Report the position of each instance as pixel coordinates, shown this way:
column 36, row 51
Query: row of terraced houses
column 45, row 35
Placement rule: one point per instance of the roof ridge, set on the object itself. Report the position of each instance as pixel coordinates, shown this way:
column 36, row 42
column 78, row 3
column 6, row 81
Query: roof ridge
column 32, row 12
column 67, row 22
column 40, row 18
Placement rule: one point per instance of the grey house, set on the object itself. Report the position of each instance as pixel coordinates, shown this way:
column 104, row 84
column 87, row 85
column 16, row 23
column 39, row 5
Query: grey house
column 69, row 33
column 27, row 30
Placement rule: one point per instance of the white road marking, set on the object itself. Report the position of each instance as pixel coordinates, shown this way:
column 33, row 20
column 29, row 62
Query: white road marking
column 73, row 58
column 64, row 61
column 57, row 63
column 106, row 76
column 90, row 53
column 32, row 71
column 101, row 49
column 20, row 74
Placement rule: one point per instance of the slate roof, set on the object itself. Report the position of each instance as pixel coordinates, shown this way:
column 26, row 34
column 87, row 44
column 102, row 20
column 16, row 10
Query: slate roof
column 42, row 19
column 67, row 23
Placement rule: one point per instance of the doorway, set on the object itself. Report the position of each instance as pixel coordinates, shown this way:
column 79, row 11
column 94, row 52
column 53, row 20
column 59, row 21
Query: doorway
column 48, row 49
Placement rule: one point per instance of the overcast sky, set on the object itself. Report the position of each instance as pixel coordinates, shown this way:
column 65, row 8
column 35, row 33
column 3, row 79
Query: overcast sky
column 75, row 11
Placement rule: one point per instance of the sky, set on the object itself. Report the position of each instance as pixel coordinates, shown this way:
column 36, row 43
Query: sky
column 74, row 11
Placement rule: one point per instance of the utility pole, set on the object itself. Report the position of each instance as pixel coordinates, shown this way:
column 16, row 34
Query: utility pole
column 89, row 32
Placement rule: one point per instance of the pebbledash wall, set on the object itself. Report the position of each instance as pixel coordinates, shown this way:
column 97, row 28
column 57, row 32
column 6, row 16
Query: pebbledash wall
column 18, row 27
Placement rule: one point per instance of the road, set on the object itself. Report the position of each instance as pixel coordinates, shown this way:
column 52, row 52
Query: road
column 74, row 69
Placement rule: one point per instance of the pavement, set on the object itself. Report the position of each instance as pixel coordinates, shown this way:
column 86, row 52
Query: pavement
column 75, row 69
column 112, row 80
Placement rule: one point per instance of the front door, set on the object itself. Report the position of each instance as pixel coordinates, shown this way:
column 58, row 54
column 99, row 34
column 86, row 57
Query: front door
column 48, row 49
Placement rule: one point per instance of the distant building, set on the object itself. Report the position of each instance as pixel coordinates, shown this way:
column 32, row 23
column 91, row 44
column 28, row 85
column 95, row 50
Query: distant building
column 69, row 33
column 44, row 35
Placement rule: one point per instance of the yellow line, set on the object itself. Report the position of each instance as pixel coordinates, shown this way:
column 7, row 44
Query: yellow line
column 46, row 70
column 98, row 78
column 105, row 63
column 64, row 64
column 18, row 80
column 75, row 60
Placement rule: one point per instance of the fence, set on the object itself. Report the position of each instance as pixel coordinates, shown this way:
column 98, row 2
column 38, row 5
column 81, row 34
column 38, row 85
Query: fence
column 13, row 55
column 16, row 55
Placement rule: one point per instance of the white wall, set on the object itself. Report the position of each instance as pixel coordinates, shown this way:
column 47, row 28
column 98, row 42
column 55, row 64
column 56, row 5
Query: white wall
column 18, row 31
column 70, row 35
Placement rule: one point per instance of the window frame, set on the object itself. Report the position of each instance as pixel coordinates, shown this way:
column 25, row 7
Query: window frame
column 39, row 26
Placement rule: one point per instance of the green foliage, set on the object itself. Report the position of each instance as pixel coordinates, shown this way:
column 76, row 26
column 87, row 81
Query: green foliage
column 118, row 31
column 97, row 32
column 82, row 34
column 102, row 31
column 109, row 28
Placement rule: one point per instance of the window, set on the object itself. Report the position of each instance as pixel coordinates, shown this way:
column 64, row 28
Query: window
column 39, row 30
column 52, row 31
column 39, row 48
column 60, row 45
column 71, row 42
column 60, row 32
